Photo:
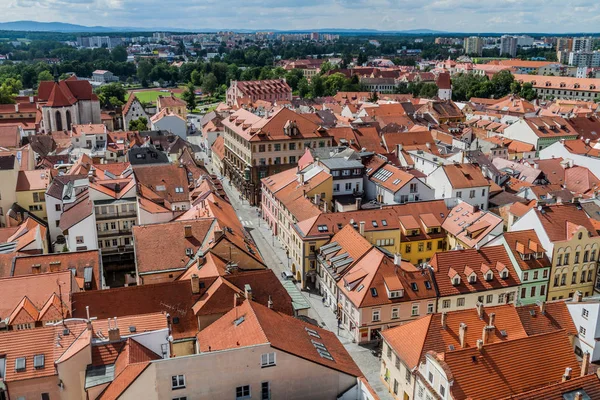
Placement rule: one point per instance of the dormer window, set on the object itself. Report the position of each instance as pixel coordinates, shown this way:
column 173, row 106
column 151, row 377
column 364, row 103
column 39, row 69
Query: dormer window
column 539, row 255
column 394, row 294
column 489, row 276
column 456, row 280
column 472, row 278
column 526, row 256
column 504, row 274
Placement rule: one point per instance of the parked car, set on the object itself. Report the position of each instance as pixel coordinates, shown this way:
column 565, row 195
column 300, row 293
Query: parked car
column 287, row 276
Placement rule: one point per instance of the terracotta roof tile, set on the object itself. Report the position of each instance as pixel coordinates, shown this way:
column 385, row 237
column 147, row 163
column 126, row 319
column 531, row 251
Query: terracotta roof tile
column 560, row 221
column 588, row 385
column 527, row 242
column 554, row 317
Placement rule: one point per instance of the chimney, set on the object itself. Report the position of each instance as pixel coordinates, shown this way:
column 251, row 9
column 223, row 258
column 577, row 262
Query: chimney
column 567, row 374
column 361, row 228
column 325, row 206
column 358, row 201
column 479, row 344
column 462, row 331
column 114, row 335
column 195, row 284
column 444, row 318
column 485, row 336
column 542, row 307
column 585, row 364
column 16, row 107
column 480, row 310
column 578, row 396
column 248, row 292
column 397, row 258
column 187, row 229
column 270, row 303
column 87, row 314
column 577, row 297
column 492, row 319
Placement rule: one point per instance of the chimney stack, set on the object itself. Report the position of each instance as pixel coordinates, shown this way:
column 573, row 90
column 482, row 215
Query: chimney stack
column 480, row 310
column 542, row 307
column 567, row 375
column 585, row 364
column 87, row 314
column 485, row 336
column 397, row 259
column 187, row 229
column 444, row 319
column 361, row 228
column 358, row 202
column 114, row 335
column 578, row 396
column 270, row 303
column 195, row 284
column 577, row 297
column 479, row 344
column 492, row 319
column 248, row 292
column 462, row 331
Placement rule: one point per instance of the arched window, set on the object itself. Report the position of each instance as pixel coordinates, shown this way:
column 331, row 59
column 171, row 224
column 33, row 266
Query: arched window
column 58, row 117
column 68, row 115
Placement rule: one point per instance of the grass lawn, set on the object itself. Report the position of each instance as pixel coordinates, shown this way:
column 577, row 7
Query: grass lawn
column 150, row 96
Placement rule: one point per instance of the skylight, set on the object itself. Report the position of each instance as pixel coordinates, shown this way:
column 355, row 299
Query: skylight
column 312, row 332
column 38, row 361
column 374, row 292
column 20, row 364
column 397, row 181
column 383, row 222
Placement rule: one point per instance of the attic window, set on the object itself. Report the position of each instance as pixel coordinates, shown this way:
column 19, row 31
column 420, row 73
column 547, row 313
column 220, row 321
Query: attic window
column 20, row 364
column 178, row 189
column 239, row 320
column 375, row 224
column 374, row 292
column 383, row 222
column 456, row 281
column 489, row 276
column 175, row 320
column 414, row 286
column 38, row 361
column 312, row 332
column 427, row 285
column 503, row 333
column 504, row 274
column 472, row 278
column 322, row 228
column 161, row 188
column 361, row 287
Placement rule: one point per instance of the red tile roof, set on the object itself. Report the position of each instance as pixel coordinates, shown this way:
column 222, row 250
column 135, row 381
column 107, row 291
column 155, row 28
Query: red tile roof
column 555, row 316
column 527, row 242
column 218, row 147
column 510, row 367
column 260, row 325
column 562, row 221
column 494, row 257
column 465, row 176
column 588, row 385
column 161, row 182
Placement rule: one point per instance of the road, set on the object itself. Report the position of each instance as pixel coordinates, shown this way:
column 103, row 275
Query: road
column 275, row 258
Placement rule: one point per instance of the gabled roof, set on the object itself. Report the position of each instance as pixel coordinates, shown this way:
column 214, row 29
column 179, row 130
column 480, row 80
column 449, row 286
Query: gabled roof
column 469, row 224
column 554, row 316
column 561, row 221
column 510, row 367
column 411, row 341
column 164, row 181
column 494, row 257
column 465, row 176
column 527, row 242
column 253, row 324
column 588, row 385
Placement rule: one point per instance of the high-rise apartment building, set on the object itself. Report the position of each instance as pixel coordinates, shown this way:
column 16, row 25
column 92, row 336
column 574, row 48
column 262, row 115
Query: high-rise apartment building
column 508, row 45
column 473, row 45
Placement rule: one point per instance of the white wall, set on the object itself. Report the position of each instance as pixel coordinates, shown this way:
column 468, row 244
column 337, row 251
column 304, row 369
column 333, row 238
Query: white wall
column 173, row 124
column 557, row 149
column 587, row 341
column 85, row 228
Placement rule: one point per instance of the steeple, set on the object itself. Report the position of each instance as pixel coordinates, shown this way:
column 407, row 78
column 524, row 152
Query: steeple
column 55, row 74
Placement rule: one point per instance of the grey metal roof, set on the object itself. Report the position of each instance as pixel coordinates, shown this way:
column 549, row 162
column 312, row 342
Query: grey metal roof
column 298, row 300
column 99, row 375
column 341, row 163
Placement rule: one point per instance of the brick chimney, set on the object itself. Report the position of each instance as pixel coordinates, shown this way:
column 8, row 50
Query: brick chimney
column 361, row 228
column 114, row 335
column 567, row 375
column 485, row 336
column 462, row 332
column 248, row 291
column 187, row 229
column 195, row 284
column 480, row 310
column 543, row 307
column 270, row 303
column 577, row 297
column 585, row 364
column 479, row 344
column 492, row 319
column 444, row 319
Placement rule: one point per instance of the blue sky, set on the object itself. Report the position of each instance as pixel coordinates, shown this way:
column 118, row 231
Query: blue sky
column 448, row 15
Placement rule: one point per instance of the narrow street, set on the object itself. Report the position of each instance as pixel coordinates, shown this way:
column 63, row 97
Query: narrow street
column 276, row 259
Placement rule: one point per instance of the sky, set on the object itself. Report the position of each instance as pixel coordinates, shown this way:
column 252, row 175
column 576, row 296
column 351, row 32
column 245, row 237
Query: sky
column 551, row 16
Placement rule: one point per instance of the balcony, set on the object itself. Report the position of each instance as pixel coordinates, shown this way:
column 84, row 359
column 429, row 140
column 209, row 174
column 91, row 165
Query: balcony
column 117, row 250
column 116, row 215
column 114, row 232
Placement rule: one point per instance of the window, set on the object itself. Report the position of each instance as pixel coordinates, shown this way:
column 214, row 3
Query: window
column 523, row 293
column 413, row 188
column 292, row 146
column 582, row 330
column 20, row 364
column 348, row 186
column 535, row 275
column 586, row 256
column 442, row 391
column 460, row 302
column 489, row 298
column 543, row 290
column 563, row 279
column 346, row 172
column 407, row 248
column 38, row 361
column 178, row 382
column 265, row 391
column 593, row 256
column 440, row 244
column 180, row 398
column 559, row 260
column 395, row 313
column 428, row 246
column 292, row 161
column 376, row 314
column 532, row 291
column 420, row 247
column 79, row 239
column 525, row 276
column 585, row 313
column 395, row 386
column 430, row 308
column 430, row 377
column 472, row 194
column 415, row 309
column 566, row 259
column 576, row 257
column 389, row 352
column 57, row 207
column 267, row 360
column 242, row 392
column 459, row 194
column 446, row 304
column 336, row 187
column 574, row 278
column 589, row 278
column 277, row 147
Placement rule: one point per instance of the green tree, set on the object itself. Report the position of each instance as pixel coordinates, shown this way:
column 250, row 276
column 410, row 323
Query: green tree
column 317, row 86
column 334, row 83
column 144, row 69
column 196, row 77
column 6, row 95
column 293, row 77
column 140, row 124
column 119, row 54
column 112, row 94
column 209, row 83
column 502, row 82
column 45, row 75
column 373, row 98
column 189, row 96
column 528, row 92
column 362, row 58
column 303, row 88
column 428, row 90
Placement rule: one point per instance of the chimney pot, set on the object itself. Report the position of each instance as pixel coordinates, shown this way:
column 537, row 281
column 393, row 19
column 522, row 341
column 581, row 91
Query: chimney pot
column 567, row 374
column 577, row 297
column 480, row 310
column 248, row 292
column 361, row 228
column 195, row 281
column 492, row 319
column 479, row 344
column 578, row 396
column 585, row 364
column 444, row 319
column 542, row 307
column 485, row 336
column 462, row 331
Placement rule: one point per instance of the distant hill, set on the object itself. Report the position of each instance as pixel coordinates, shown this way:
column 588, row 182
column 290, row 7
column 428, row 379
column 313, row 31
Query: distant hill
column 33, row 26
